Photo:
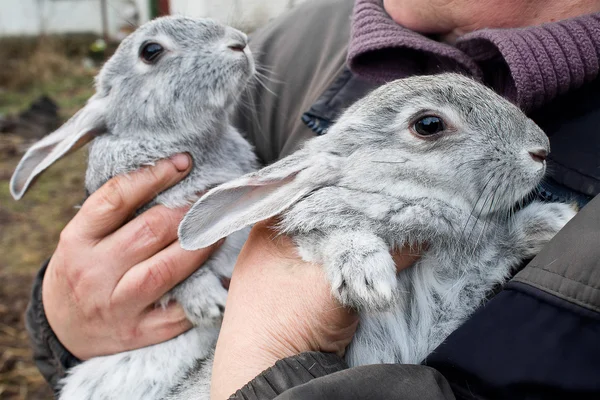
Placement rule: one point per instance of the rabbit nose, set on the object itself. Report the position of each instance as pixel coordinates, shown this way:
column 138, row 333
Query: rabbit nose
column 538, row 155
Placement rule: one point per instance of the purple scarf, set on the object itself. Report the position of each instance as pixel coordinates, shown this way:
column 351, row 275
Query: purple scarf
column 530, row 66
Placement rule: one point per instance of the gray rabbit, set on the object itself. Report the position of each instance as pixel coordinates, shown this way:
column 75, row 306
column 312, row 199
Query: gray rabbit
column 170, row 87
column 435, row 161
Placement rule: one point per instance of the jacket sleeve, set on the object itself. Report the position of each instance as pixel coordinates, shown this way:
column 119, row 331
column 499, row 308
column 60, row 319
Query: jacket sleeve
column 50, row 356
column 317, row 376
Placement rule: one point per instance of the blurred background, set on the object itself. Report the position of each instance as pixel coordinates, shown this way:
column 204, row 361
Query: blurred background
column 50, row 50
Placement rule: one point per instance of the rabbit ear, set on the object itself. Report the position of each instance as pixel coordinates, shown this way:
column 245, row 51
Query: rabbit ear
column 245, row 201
column 77, row 131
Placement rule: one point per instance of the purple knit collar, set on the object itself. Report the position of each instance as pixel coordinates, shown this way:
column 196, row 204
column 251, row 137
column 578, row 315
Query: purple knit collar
column 530, row 66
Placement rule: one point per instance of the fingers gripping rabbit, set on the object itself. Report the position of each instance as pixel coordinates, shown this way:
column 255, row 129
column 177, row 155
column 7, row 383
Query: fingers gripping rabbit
column 439, row 161
column 169, row 88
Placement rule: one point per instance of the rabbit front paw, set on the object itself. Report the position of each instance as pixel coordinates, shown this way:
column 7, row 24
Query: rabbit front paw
column 202, row 296
column 361, row 271
column 535, row 225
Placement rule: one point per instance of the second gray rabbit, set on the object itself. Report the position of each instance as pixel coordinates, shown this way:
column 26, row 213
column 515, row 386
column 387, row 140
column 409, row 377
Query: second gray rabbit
column 169, row 88
column 439, row 161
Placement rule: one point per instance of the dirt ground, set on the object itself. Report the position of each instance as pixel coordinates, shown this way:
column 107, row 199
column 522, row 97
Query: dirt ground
column 19, row 378
column 29, row 229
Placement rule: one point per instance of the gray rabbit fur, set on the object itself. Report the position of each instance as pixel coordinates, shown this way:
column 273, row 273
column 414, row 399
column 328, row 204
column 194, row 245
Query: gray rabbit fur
column 146, row 109
column 376, row 182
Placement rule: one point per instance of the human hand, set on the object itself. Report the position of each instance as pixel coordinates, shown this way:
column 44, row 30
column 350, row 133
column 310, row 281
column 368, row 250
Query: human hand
column 107, row 272
column 278, row 306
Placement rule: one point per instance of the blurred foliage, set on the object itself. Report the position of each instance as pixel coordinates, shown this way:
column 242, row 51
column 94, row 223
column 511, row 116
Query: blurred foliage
column 71, row 46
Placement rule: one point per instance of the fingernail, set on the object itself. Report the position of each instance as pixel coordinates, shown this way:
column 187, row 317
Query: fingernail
column 220, row 242
column 181, row 161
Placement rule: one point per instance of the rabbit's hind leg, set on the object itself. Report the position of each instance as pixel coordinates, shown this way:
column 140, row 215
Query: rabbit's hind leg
column 360, row 269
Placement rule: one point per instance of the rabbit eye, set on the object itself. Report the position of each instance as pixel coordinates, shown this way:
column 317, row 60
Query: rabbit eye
column 150, row 52
column 429, row 125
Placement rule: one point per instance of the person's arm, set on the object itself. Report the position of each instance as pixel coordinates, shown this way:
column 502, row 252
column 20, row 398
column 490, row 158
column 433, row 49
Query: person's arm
column 278, row 309
column 97, row 293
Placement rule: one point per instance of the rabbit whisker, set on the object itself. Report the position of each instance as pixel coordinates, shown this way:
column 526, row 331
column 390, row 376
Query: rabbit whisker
column 266, row 72
column 482, row 231
column 487, row 198
column 388, row 162
column 250, row 105
column 127, row 20
column 475, row 206
column 258, row 80
column 474, row 160
column 486, row 222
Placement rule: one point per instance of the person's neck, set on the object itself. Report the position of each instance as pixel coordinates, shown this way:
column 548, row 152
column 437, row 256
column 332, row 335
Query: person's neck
column 457, row 23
